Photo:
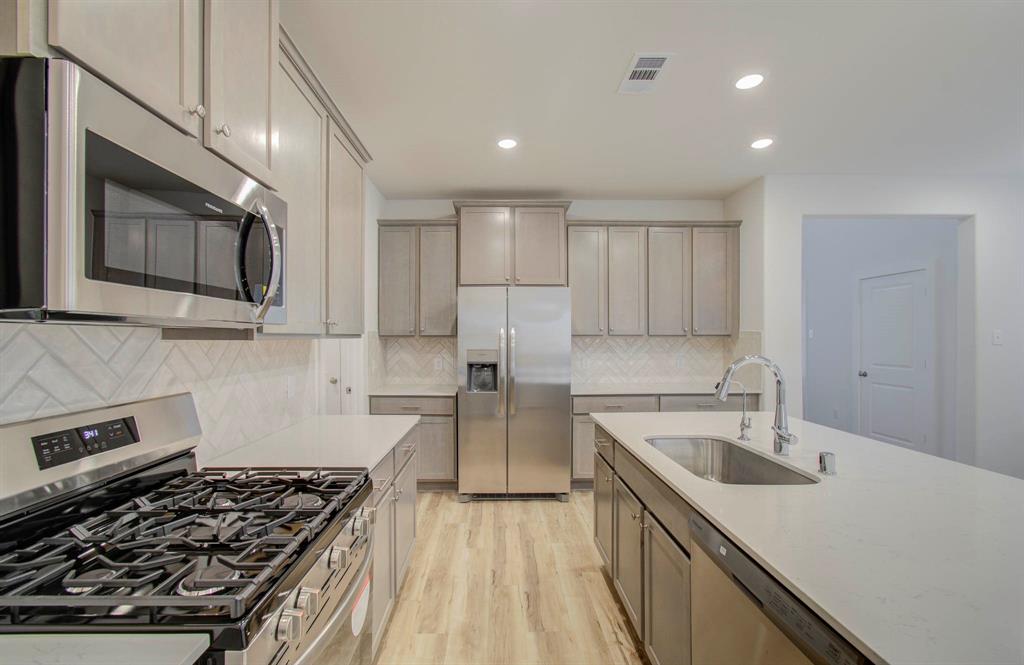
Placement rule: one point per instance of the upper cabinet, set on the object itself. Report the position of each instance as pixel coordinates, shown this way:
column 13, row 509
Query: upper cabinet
column 715, row 281
column 151, row 49
column 344, row 237
column 501, row 245
column 539, row 246
column 485, row 252
column 240, row 63
column 659, row 280
column 417, row 285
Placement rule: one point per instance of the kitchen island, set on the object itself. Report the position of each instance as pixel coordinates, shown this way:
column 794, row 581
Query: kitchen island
column 910, row 557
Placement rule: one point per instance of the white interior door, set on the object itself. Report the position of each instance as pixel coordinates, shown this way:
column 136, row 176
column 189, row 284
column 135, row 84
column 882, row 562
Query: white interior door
column 897, row 350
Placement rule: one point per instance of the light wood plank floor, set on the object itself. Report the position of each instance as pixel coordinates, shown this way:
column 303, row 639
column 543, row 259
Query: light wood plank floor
column 506, row 582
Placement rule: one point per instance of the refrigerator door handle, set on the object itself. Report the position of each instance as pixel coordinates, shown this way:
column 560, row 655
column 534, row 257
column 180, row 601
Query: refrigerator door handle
column 501, row 371
column 512, row 371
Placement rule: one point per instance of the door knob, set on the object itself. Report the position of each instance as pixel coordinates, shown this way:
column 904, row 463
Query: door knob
column 862, row 374
column 333, row 380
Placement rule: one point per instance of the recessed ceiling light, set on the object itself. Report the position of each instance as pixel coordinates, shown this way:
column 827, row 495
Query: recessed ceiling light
column 749, row 81
column 761, row 144
column 507, row 144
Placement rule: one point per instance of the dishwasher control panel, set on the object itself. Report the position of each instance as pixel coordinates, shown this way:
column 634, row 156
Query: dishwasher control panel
column 808, row 631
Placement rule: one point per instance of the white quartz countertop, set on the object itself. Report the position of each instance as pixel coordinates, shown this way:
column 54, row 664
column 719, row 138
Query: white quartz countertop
column 913, row 558
column 95, row 649
column 322, row 441
column 414, row 390
column 690, row 386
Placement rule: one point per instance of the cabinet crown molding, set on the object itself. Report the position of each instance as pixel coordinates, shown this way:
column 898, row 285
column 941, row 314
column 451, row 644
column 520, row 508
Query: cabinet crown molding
column 510, row 203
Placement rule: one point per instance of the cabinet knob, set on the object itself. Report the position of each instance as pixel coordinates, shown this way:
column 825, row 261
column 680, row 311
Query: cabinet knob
column 695, row 329
column 198, row 110
column 224, row 129
column 686, row 330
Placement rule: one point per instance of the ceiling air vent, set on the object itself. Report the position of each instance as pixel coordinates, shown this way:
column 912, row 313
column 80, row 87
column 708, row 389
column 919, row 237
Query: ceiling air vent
column 643, row 71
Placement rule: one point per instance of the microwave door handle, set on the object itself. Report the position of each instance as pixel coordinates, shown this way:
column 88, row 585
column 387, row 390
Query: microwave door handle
column 275, row 262
column 512, row 398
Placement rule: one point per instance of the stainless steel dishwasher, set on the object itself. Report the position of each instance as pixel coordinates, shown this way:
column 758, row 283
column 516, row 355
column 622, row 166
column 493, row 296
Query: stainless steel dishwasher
column 742, row 615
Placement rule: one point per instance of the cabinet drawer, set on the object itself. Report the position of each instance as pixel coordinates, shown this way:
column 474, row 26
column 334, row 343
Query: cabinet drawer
column 404, row 406
column 381, row 478
column 405, row 449
column 613, row 403
column 706, row 403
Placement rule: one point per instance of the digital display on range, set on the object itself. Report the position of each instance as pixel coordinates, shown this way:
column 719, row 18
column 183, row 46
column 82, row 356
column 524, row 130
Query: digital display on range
column 69, row 445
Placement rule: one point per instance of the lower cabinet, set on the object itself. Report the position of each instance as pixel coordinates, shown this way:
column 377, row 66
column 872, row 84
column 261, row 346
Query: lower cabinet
column 603, row 509
column 627, row 557
column 436, row 448
column 582, row 447
column 405, row 519
column 666, row 592
column 394, row 531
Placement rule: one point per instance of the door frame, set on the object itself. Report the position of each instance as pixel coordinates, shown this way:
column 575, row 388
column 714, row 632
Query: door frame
column 929, row 268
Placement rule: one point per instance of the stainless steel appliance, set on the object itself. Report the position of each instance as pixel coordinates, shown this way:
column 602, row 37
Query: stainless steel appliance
column 742, row 615
column 107, row 527
column 109, row 214
column 513, row 364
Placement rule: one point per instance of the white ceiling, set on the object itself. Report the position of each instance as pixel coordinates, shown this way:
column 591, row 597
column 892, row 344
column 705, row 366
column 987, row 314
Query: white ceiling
column 862, row 88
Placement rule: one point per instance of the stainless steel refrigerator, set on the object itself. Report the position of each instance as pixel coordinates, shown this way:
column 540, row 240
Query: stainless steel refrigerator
column 514, row 414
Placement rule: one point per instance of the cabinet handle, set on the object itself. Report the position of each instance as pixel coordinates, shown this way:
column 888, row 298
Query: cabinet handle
column 614, row 406
column 410, row 408
column 198, row 110
column 635, row 516
column 224, row 129
column 706, row 406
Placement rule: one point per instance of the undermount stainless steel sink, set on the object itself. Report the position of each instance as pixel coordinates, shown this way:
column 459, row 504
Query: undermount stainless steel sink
column 723, row 461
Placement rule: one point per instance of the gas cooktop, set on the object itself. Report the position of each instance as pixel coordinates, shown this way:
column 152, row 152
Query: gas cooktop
column 202, row 547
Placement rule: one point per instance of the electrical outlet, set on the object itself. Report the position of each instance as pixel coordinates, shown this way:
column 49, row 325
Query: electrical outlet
column 680, row 361
column 810, row 333
column 438, row 363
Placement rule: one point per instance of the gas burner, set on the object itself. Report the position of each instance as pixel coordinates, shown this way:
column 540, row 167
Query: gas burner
column 222, row 501
column 302, row 501
column 89, row 581
column 203, row 581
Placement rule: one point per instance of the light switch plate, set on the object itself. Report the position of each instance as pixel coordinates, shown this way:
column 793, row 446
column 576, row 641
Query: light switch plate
column 997, row 337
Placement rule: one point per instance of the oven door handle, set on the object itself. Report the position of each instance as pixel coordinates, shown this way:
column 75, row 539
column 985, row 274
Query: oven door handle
column 276, row 260
column 343, row 609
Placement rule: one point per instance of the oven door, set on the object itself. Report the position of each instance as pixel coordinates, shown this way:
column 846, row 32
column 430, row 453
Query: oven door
column 144, row 224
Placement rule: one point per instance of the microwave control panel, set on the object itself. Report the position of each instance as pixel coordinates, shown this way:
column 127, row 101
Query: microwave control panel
column 73, row 444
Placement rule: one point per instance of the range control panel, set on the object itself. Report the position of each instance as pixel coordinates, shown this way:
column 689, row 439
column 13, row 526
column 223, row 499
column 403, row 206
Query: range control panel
column 69, row 445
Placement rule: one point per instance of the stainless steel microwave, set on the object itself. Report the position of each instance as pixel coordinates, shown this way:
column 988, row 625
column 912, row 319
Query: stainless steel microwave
column 110, row 215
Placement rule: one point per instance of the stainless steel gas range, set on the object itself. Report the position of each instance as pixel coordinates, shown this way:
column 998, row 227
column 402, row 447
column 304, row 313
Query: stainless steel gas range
column 106, row 526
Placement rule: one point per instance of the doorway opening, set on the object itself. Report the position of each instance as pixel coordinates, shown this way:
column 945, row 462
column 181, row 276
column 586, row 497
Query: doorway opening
column 888, row 312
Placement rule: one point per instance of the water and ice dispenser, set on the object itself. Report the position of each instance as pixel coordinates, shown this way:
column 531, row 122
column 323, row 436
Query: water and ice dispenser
column 482, row 370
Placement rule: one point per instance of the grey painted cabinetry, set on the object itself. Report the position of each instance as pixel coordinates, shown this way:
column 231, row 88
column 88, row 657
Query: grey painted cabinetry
column 502, row 245
column 417, row 285
column 162, row 68
column 405, row 519
column 344, row 274
column 654, row 280
column 435, row 433
column 582, row 447
column 603, row 486
column 383, row 590
column 666, row 592
column 627, row 556
column 239, row 82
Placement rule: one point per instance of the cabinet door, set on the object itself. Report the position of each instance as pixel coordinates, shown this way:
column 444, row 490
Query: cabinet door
column 603, row 531
column 582, row 447
column 152, row 50
column 669, row 288
column 382, row 592
column 540, row 246
column 627, row 280
column 436, row 451
column 715, row 281
column 485, row 246
column 397, row 280
column 240, row 56
column 405, row 519
column 344, row 238
column 588, row 279
column 627, row 560
column 666, row 635
column 301, row 126
column 438, row 285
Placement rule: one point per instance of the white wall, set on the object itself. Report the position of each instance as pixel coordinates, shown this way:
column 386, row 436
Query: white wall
column 747, row 205
column 589, row 209
column 837, row 254
column 996, row 206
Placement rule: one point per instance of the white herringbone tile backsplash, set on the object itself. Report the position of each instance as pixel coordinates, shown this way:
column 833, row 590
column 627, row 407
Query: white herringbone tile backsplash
column 412, row 360
column 241, row 389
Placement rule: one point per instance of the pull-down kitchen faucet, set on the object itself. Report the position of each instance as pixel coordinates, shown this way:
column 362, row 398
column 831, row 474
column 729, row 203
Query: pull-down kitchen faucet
column 783, row 437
